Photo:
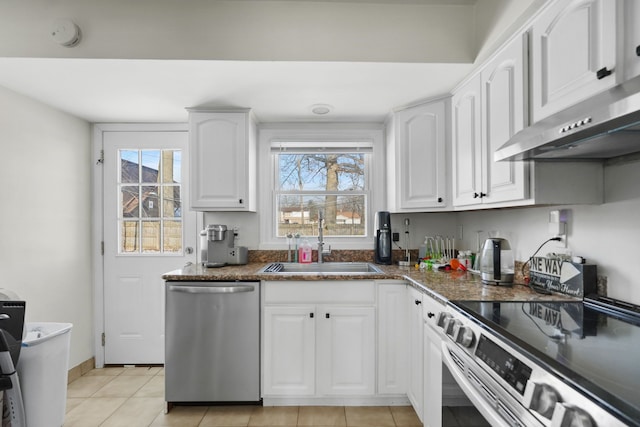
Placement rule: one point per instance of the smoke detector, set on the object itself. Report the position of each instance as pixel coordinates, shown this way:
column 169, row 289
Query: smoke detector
column 65, row 32
column 321, row 109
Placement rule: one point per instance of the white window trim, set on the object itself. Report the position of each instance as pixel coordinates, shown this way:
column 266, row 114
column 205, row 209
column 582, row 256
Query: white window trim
column 318, row 132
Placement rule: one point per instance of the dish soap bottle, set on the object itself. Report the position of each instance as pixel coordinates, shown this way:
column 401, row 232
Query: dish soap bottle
column 304, row 252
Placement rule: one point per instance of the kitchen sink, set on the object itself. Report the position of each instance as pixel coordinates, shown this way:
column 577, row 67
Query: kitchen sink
column 323, row 268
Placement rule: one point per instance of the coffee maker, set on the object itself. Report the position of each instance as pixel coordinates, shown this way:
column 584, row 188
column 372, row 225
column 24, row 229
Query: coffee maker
column 221, row 249
column 382, row 250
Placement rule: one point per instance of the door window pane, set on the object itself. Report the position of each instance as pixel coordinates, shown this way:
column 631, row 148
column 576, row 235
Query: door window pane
column 172, row 236
column 150, row 165
column 150, row 236
column 171, row 164
column 129, row 166
column 150, row 208
column 129, row 236
column 129, row 201
column 171, row 203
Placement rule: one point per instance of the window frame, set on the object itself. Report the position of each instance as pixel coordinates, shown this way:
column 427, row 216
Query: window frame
column 349, row 135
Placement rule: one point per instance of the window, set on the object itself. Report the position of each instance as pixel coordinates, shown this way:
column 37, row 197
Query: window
column 331, row 179
column 150, row 207
column 308, row 168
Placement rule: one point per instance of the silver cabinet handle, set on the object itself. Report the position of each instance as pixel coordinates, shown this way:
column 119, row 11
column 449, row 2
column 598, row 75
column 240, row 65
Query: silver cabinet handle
column 212, row 289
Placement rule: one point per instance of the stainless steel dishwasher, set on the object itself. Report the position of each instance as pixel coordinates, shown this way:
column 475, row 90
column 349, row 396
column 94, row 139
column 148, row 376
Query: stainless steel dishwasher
column 212, row 342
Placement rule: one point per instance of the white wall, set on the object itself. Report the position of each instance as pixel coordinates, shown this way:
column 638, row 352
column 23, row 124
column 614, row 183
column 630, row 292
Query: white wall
column 45, row 216
column 607, row 235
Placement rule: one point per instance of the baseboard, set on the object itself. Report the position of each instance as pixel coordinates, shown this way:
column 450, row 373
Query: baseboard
column 81, row 369
column 337, row 401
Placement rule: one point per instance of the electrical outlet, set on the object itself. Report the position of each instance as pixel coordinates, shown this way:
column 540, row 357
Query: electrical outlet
column 395, row 237
column 563, row 240
column 460, row 235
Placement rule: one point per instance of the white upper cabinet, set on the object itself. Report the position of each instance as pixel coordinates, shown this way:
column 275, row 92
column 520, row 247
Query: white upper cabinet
column 487, row 111
column 223, row 160
column 631, row 49
column 573, row 54
column 503, row 115
column 466, row 144
column 416, row 165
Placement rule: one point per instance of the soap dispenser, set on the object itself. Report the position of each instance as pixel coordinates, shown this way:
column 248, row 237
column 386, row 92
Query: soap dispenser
column 304, row 252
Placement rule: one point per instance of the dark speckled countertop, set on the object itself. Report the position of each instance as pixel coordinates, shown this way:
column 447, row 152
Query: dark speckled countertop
column 454, row 285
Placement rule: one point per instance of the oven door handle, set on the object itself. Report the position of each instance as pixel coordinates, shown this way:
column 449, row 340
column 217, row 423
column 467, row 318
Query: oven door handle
column 481, row 404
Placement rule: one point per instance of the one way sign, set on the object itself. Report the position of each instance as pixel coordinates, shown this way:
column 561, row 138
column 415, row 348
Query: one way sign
column 565, row 277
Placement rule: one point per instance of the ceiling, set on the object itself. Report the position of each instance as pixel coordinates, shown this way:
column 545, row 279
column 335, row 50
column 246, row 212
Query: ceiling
column 375, row 56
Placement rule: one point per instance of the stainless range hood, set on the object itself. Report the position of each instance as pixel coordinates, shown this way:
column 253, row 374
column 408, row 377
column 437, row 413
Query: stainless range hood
column 604, row 126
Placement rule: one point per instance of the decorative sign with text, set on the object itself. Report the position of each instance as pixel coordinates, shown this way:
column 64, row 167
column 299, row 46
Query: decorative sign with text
column 565, row 277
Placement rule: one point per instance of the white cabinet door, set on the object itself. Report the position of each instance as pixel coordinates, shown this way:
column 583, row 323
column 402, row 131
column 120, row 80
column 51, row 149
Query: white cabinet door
column 572, row 42
column 631, row 48
column 414, row 392
column 289, row 351
column 223, row 154
column 503, row 115
column 467, row 144
column 486, row 112
column 392, row 341
column 432, row 378
column 420, row 157
column 346, row 351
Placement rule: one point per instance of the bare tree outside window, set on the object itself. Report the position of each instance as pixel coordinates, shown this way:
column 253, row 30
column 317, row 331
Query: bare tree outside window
column 333, row 182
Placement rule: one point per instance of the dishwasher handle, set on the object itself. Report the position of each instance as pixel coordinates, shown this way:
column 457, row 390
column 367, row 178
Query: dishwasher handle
column 230, row 289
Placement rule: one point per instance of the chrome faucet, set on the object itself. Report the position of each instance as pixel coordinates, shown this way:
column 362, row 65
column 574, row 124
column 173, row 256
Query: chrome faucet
column 321, row 250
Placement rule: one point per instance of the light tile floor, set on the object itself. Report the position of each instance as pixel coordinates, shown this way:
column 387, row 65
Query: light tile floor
column 132, row 397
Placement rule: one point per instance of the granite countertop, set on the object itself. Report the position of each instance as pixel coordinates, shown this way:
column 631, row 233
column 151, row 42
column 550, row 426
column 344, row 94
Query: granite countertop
column 452, row 285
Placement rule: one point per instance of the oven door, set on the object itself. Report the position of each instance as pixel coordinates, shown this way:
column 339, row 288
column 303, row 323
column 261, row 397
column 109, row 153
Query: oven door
column 496, row 407
column 445, row 402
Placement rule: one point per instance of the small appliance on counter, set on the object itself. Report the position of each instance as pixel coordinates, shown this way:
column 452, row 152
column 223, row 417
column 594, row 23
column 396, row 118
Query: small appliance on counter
column 220, row 247
column 497, row 262
column 382, row 250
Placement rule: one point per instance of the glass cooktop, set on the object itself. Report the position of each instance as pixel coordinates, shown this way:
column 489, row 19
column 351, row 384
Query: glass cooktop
column 595, row 349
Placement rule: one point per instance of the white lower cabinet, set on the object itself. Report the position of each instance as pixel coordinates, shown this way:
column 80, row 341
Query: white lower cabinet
column 432, row 412
column 346, row 351
column 415, row 379
column 289, row 350
column 432, row 406
column 392, row 338
column 319, row 350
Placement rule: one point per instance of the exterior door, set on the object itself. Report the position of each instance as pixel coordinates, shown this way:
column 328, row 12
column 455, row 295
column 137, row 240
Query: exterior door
column 148, row 230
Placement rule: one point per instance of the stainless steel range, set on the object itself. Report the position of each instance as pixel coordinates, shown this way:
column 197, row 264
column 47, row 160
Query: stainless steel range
column 541, row 363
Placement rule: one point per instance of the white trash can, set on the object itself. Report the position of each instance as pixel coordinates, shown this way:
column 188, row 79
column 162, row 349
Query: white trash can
column 42, row 368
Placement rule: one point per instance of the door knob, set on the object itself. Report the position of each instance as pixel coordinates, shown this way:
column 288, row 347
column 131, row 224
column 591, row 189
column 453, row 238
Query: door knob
column 188, row 250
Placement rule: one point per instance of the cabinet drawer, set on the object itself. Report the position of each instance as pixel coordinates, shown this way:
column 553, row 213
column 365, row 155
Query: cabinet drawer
column 320, row 292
